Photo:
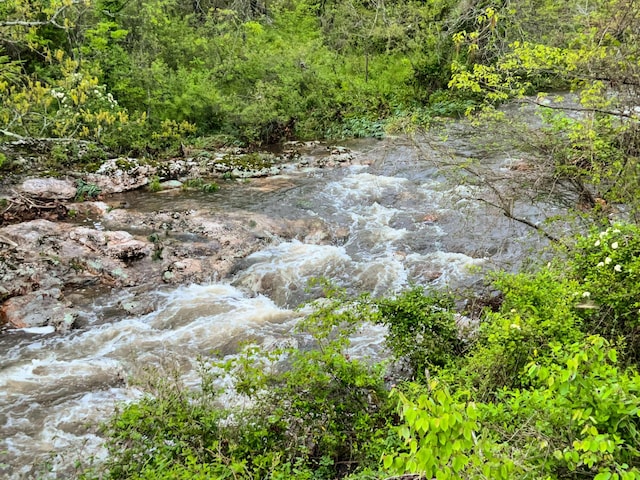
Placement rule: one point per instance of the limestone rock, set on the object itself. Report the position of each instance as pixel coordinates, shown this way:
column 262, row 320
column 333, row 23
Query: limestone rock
column 123, row 246
column 120, row 175
column 37, row 309
column 49, row 188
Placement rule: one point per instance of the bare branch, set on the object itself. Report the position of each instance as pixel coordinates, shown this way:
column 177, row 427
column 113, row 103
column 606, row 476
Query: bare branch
column 507, row 213
column 6, row 133
column 580, row 109
column 24, row 23
column 39, row 23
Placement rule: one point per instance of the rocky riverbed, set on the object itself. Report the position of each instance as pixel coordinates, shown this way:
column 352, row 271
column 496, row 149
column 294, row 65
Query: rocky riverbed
column 57, row 251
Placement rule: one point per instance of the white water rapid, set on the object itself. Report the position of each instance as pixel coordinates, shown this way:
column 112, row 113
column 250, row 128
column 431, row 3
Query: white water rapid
column 397, row 222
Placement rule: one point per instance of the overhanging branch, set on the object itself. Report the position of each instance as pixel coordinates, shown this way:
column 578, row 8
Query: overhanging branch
column 580, row 109
column 40, row 23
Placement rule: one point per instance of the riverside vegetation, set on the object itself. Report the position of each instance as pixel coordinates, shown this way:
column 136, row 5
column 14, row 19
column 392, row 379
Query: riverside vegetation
column 547, row 384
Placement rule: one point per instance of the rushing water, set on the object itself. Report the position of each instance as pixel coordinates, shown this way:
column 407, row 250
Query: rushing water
column 397, row 222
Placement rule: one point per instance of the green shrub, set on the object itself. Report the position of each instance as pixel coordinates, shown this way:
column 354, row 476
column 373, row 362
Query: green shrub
column 200, row 184
column 444, row 439
column 607, row 263
column 421, row 328
column 537, row 308
column 86, row 191
column 154, row 184
column 578, row 419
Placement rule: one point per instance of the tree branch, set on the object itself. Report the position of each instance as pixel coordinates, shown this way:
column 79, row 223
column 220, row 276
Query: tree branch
column 507, row 213
column 40, row 23
column 580, row 109
column 7, row 133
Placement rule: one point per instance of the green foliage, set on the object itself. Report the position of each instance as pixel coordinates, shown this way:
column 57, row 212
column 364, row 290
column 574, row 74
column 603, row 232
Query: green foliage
column 537, row 309
column 154, row 184
column 582, row 411
column 578, row 419
column 607, row 262
column 4, row 162
column 210, row 187
column 200, row 184
column 171, row 133
column 421, row 329
column 166, row 431
column 312, row 413
column 356, row 128
column 443, row 439
column 86, row 191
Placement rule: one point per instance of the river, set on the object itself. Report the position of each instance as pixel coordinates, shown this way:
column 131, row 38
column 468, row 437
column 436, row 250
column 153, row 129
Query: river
column 403, row 219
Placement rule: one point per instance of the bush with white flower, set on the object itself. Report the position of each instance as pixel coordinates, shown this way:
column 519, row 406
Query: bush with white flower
column 607, row 263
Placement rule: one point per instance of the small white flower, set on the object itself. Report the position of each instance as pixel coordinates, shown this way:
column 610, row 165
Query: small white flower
column 601, row 264
column 617, row 268
column 586, row 294
column 607, row 260
column 597, row 244
column 614, row 245
column 515, row 326
column 602, row 234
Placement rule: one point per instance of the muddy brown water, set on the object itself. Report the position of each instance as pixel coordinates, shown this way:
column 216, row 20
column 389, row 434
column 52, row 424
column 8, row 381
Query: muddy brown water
column 403, row 219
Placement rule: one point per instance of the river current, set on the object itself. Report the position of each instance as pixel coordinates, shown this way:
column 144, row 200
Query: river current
column 403, row 219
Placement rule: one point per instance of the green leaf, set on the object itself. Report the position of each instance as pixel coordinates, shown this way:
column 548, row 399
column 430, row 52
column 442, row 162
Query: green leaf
column 606, row 475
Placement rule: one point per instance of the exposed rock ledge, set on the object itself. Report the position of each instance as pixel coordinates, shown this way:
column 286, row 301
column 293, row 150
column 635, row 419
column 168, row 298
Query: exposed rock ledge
column 42, row 262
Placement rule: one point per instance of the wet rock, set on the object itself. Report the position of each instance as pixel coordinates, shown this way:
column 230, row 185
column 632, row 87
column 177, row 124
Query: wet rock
column 123, row 246
column 38, row 309
column 431, row 275
column 430, row 218
column 30, row 234
column 96, row 209
column 88, row 237
column 66, row 322
column 49, row 188
column 182, row 271
column 137, row 306
column 338, row 150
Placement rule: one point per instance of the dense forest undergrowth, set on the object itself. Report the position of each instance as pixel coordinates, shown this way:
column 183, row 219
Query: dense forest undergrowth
column 546, row 385
column 85, row 80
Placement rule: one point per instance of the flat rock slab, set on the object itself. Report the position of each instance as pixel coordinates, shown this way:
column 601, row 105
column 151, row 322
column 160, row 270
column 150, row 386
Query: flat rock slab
column 49, row 188
column 37, row 309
